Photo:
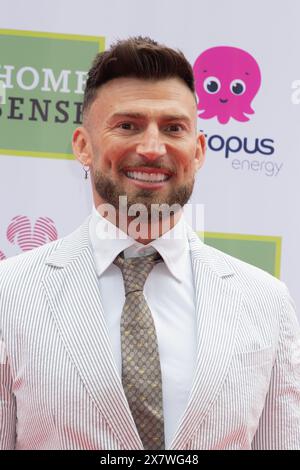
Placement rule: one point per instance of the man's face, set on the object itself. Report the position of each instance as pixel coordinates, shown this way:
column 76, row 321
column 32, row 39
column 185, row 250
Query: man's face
column 141, row 142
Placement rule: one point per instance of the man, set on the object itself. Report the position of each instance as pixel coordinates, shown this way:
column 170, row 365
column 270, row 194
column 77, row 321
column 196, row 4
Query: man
column 123, row 335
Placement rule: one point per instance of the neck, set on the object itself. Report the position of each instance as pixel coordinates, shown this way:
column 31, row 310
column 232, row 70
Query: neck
column 142, row 228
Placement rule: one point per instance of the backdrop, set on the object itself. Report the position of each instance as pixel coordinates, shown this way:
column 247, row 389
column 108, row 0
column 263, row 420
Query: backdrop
column 246, row 63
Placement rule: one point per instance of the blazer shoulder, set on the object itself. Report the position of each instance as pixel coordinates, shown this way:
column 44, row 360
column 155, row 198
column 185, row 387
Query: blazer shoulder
column 247, row 277
column 33, row 263
column 17, row 266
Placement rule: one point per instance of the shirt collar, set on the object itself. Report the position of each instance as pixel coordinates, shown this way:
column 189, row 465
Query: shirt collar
column 108, row 241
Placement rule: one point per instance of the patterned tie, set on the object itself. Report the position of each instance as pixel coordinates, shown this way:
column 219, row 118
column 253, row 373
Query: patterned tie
column 141, row 372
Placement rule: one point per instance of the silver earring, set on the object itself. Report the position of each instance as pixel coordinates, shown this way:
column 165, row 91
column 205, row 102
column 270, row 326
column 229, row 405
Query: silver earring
column 86, row 170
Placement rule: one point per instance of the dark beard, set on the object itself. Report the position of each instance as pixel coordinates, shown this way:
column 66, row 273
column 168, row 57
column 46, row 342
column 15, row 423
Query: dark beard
column 110, row 193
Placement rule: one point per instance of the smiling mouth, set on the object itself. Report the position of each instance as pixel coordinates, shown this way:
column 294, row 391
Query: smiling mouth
column 148, row 175
column 223, row 101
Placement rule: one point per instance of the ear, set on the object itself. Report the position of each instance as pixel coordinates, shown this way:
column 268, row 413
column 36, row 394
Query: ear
column 81, row 146
column 200, row 151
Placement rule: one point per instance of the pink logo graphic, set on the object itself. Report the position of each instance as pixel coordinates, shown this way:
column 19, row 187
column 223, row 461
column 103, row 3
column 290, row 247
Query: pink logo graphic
column 19, row 232
column 227, row 79
column 2, row 256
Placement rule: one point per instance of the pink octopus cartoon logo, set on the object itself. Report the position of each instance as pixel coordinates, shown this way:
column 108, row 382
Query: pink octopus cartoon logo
column 226, row 79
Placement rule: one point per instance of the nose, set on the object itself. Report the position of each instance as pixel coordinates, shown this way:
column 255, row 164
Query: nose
column 150, row 144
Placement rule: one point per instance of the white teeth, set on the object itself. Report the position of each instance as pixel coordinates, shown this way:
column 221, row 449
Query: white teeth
column 152, row 177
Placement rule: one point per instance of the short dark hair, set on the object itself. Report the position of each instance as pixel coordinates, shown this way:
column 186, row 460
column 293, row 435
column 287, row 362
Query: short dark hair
column 137, row 57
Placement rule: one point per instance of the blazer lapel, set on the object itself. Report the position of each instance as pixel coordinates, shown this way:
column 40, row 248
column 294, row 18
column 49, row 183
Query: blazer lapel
column 217, row 309
column 73, row 293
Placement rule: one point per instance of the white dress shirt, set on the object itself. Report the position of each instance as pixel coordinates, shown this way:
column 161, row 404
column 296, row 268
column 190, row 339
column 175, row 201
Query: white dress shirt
column 169, row 292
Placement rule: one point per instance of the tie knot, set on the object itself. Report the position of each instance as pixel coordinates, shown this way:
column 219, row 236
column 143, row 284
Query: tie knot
column 135, row 270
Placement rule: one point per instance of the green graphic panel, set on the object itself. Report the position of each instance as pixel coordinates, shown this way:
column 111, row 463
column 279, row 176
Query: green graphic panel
column 40, row 120
column 263, row 252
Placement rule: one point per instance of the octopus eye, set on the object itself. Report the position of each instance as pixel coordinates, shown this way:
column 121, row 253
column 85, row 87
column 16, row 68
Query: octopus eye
column 237, row 87
column 212, row 85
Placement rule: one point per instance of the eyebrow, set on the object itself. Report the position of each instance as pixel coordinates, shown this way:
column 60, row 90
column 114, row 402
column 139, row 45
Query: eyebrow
column 165, row 117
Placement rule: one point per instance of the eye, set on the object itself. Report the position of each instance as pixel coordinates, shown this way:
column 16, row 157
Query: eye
column 127, row 126
column 174, row 128
column 212, row 85
column 237, row 87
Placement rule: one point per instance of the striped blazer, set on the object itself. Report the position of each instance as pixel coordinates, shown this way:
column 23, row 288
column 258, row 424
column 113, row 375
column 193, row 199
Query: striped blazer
column 59, row 386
